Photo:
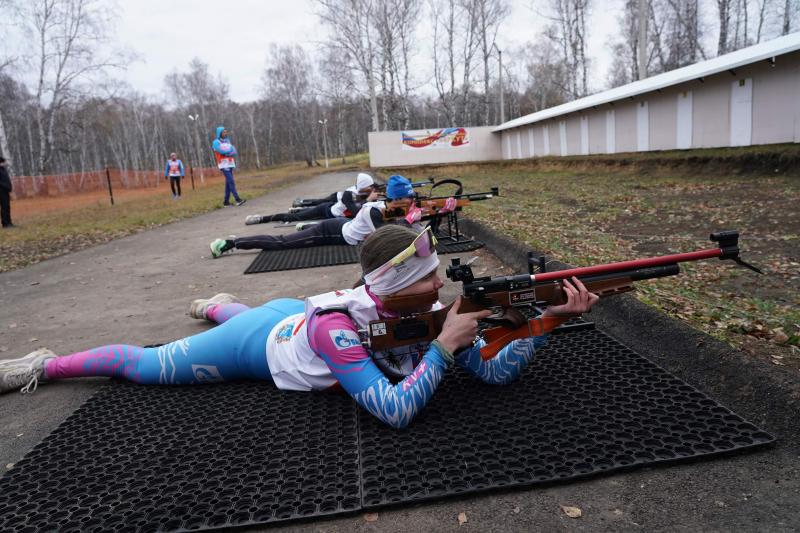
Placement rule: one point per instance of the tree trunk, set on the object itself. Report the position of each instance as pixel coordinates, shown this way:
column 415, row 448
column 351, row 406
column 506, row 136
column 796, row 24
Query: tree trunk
column 6, row 153
column 724, row 19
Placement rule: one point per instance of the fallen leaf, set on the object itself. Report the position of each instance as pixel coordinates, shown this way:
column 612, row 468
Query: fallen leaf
column 572, row 512
column 371, row 517
column 462, row 519
column 20, row 434
column 34, row 339
column 516, row 510
column 9, row 466
column 617, row 512
column 779, row 336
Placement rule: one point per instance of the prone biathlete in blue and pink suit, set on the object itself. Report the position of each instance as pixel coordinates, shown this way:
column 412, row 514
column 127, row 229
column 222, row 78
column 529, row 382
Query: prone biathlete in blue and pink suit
column 315, row 344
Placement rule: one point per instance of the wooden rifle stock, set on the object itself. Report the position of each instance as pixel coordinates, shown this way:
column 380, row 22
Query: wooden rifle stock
column 430, row 205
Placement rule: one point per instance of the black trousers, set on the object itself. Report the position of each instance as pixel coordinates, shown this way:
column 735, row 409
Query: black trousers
column 5, row 207
column 326, row 232
column 175, row 182
column 310, row 213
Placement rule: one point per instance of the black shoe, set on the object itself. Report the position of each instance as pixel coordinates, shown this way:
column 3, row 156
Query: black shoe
column 240, row 202
column 9, row 226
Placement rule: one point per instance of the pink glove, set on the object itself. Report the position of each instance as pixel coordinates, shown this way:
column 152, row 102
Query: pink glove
column 414, row 214
column 449, row 205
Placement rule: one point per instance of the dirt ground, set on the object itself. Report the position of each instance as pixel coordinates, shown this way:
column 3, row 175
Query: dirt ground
column 136, row 289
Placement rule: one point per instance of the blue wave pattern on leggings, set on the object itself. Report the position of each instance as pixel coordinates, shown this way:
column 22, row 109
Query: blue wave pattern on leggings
column 506, row 366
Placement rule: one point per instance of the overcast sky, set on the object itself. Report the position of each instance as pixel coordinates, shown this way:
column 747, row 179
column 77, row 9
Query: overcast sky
column 233, row 37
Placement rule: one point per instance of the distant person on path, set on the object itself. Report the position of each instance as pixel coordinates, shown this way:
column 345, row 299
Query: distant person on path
column 174, row 171
column 225, row 152
column 5, row 195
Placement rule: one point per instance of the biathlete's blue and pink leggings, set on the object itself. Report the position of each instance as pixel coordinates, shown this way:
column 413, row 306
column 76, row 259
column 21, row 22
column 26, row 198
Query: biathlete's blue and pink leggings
column 233, row 350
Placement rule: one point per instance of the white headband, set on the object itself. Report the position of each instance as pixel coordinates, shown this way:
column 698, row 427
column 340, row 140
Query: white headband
column 402, row 275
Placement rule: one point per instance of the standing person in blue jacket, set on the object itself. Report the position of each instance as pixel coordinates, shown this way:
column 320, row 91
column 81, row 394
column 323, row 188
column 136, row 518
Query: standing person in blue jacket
column 174, row 172
column 225, row 153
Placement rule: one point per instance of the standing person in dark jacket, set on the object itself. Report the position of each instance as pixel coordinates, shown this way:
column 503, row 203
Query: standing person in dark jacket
column 5, row 195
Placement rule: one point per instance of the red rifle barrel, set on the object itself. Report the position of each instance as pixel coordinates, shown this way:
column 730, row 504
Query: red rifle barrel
column 628, row 265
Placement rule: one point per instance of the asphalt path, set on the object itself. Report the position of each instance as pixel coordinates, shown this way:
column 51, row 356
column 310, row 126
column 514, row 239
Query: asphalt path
column 137, row 289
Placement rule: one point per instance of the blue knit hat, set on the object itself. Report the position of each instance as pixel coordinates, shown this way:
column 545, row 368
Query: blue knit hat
column 399, row 187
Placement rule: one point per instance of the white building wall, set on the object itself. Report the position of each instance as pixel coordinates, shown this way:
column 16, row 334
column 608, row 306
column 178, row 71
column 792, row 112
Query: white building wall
column 611, row 132
column 757, row 103
column 741, row 112
column 642, row 126
column 584, row 135
column 683, row 121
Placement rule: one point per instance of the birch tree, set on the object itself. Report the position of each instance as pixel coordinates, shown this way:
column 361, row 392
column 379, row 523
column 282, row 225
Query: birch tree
column 352, row 32
column 569, row 31
column 455, row 45
column 489, row 14
column 68, row 38
column 7, row 60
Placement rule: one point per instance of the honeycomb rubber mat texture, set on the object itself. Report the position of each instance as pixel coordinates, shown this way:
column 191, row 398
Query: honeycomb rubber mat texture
column 152, row 458
column 185, row 458
column 331, row 255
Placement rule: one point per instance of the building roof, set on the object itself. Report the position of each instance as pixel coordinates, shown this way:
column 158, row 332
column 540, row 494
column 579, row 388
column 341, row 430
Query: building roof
column 745, row 56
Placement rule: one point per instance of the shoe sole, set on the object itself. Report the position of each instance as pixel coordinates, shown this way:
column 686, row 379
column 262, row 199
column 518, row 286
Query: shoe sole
column 222, row 298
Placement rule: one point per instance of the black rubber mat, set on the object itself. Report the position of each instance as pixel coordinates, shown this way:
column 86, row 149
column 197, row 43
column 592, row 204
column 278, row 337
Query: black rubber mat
column 331, row 255
column 587, row 405
column 150, row 458
column 297, row 258
column 185, row 458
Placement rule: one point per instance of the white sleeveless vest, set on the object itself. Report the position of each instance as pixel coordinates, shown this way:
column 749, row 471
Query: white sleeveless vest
column 295, row 366
column 361, row 226
column 338, row 209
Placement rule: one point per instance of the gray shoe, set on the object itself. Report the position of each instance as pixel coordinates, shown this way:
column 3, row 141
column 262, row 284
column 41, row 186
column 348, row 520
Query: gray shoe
column 252, row 219
column 24, row 373
column 199, row 308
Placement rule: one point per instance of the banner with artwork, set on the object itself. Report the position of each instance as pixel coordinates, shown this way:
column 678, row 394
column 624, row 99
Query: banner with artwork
column 430, row 139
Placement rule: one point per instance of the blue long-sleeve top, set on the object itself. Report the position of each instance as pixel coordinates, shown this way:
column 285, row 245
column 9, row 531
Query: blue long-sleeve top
column 180, row 165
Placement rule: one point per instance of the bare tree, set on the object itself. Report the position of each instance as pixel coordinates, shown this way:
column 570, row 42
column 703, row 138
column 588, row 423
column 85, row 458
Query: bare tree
column 6, row 61
column 68, row 35
column 288, row 82
column 455, row 44
column 791, row 9
column 199, row 95
column 724, row 15
column 548, row 83
column 352, row 32
column 489, row 14
column 569, row 32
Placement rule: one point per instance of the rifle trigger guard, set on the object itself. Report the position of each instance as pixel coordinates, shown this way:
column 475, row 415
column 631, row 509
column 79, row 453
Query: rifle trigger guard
column 507, row 316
